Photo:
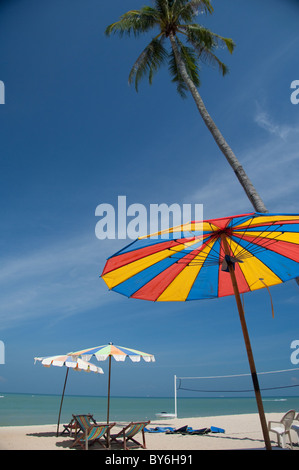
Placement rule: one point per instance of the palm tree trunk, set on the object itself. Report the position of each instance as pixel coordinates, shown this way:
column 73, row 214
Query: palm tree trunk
column 247, row 185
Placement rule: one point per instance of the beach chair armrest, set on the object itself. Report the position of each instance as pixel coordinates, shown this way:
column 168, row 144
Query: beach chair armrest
column 279, row 423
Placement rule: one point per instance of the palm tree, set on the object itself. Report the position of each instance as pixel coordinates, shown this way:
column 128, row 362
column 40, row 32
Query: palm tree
column 190, row 43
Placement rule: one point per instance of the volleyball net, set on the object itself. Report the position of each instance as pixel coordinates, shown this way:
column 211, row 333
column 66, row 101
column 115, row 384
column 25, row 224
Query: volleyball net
column 278, row 380
column 276, row 383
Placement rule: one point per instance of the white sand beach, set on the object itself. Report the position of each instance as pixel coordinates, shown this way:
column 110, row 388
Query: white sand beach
column 242, row 432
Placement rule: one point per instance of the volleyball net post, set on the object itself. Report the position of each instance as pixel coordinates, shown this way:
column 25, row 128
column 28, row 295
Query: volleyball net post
column 175, row 399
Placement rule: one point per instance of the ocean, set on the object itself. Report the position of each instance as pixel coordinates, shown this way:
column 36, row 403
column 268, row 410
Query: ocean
column 27, row 409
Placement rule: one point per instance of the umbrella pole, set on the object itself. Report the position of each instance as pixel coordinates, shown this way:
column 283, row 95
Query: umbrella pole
column 250, row 358
column 66, row 375
column 109, row 378
column 108, row 405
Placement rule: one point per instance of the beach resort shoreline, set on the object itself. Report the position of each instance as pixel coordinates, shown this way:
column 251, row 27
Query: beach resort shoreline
column 242, row 432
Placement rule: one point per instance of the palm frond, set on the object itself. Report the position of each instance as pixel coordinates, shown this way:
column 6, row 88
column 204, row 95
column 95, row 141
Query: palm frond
column 205, row 42
column 230, row 44
column 203, row 37
column 149, row 61
column 190, row 61
column 209, row 58
column 192, row 8
column 176, row 76
column 163, row 7
column 134, row 21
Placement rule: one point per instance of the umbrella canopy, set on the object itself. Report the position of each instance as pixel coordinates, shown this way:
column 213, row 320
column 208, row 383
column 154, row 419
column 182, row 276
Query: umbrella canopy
column 119, row 353
column 210, row 259
column 188, row 264
column 68, row 361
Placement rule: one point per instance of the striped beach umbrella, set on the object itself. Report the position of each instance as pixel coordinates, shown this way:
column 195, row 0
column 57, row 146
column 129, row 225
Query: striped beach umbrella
column 70, row 362
column 209, row 259
column 119, row 353
column 186, row 262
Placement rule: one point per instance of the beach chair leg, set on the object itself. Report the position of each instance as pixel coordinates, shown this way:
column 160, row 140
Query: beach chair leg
column 76, row 442
column 296, row 429
column 108, row 440
column 136, row 442
column 282, row 441
column 290, row 438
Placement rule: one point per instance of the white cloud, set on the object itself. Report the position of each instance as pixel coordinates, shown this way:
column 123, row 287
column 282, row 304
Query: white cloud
column 272, row 166
column 263, row 119
column 57, row 281
column 221, row 195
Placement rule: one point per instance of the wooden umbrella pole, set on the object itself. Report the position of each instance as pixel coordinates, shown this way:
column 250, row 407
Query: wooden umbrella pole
column 66, row 375
column 251, row 360
column 108, row 405
column 249, row 351
column 109, row 378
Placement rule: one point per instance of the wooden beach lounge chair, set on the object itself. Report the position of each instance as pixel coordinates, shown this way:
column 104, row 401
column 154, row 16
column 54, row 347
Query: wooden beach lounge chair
column 74, row 424
column 128, row 433
column 91, row 432
column 282, row 428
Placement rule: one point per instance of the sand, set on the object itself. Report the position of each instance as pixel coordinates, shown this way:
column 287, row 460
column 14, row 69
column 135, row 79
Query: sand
column 242, row 432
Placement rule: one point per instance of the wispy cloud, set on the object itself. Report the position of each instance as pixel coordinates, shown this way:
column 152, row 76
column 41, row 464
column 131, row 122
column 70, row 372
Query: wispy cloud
column 263, row 119
column 276, row 163
column 272, row 166
column 57, row 281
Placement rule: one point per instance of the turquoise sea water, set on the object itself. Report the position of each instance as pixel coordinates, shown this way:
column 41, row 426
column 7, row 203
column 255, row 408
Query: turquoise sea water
column 26, row 409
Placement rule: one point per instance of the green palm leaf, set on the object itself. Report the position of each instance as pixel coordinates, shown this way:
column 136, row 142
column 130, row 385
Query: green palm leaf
column 189, row 9
column 134, row 21
column 189, row 58
column 149, row 61
column 205, row 43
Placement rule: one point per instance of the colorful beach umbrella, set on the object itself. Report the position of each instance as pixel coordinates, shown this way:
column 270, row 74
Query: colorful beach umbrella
column 68, row 361
column 119, row 353
column 210, row 259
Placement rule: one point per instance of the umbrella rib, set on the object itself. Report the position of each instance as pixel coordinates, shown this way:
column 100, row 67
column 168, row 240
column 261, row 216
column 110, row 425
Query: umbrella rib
column 257, row 248
column 244, row 250
column 244, row 234
column 210, row 259
column 265, row 244
column 200, row 258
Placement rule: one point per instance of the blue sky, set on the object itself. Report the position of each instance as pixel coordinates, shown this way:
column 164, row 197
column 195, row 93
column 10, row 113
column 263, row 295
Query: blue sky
column 75, row 135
